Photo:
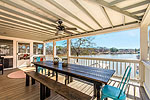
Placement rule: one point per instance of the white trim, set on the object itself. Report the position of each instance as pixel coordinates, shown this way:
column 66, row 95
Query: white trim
column 115, row 29
column 146, row 17
column 146, row 90
column 19, row 39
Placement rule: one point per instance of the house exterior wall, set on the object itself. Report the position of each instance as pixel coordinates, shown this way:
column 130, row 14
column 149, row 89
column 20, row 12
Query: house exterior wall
column 15, row 40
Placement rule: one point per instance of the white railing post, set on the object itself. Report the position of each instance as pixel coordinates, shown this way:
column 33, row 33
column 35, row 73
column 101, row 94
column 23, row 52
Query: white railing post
column 54, row 49
column 68, row 49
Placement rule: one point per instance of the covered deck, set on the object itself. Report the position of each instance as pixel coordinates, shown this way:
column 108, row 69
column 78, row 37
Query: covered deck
column 15, row 89
column 29, row 23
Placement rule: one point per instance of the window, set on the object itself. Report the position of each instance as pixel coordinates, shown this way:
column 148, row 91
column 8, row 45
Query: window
column 23, row 51
column 6, row 47
column 49, row 48
column 37, row 48
column 61, row 48
column 24, row 48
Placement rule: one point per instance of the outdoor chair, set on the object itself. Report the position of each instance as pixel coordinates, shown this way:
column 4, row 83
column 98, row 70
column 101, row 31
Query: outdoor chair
column 38, row 59
column 2, row 64
column 117, row 93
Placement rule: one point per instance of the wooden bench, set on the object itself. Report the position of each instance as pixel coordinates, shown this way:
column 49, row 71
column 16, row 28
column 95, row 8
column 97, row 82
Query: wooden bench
column 47, row 84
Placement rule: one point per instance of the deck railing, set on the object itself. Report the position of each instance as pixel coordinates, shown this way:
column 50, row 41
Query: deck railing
column 119, row 65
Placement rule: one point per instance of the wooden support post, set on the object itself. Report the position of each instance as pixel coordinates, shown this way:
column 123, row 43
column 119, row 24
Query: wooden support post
column 27, row 80
column 54, row 49
column 70, row 79
column 33, row 81
column 48, row 92
column 68, row 49
column 31, row 53
column 143, row 51
column 42, row 92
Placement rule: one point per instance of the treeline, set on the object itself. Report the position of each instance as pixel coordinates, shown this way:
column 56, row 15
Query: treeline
column 90, row 51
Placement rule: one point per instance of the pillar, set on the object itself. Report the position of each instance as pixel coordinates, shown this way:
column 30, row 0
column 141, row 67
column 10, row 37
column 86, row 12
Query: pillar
column 54, row 49
column 143, row 50
column 68, row 49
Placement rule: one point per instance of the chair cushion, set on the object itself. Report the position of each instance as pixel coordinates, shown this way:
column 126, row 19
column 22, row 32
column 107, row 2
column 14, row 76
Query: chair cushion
column 112, row 92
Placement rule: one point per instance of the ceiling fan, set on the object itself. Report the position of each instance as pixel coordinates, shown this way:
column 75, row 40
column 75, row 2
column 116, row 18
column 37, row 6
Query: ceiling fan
column 62, row 29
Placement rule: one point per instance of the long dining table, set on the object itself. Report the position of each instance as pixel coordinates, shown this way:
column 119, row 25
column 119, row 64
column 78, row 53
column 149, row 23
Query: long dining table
column 97, row 76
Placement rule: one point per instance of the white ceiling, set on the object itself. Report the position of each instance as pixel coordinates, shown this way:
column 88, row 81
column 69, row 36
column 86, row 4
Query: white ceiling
column 36, row 19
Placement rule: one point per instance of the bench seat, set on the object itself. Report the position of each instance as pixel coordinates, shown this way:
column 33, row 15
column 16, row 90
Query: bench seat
column 63, row 90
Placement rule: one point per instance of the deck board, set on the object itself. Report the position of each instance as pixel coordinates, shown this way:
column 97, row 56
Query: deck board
column 15, row 89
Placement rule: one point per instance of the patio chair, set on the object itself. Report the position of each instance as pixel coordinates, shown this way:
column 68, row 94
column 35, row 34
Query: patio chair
column 38, row 59
column 2, row 64
column 117, row 93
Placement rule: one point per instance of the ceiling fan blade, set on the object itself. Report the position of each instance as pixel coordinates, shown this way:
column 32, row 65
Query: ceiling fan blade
column 68, row 32
column 68, row 28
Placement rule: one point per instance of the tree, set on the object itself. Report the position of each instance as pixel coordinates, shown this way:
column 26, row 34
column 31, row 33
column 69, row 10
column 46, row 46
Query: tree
column 113, row 49
column 79, row 44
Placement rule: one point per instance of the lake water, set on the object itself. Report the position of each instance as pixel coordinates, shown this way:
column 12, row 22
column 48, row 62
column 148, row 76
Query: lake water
column 114, row 56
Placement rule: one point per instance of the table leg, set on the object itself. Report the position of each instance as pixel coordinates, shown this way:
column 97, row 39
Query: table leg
column 49, row 73
column 71, row 79
column 95, row 91
column 36, row 68
column 97, row 88
column 48, row 92
column 66, row 79
column 42, row 92
column 33, row 81
column 98, row 91
column 53, row 73
column 56, row 76
column 27, row 80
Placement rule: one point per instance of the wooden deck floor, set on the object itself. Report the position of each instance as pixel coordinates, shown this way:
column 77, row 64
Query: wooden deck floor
column 15, row 89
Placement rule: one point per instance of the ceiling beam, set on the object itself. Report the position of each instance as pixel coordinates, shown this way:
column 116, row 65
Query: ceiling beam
column 9, row 25
column 26, row 16
column 146, row 17
column 115, row 2
column 106, row 15
column 136, row 5
column 117, row 9
column 68, row 12
column 116, row 28
column 32, row 12
column 51, row 13
column 86, row 12
column 22, row 29
column 30, row 22
column 16, row 35
column 22, row 32
column 139, row 11
column 25, row 27
column 17, row 22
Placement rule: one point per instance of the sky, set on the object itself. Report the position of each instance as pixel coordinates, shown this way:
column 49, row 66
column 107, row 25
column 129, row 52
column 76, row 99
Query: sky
column 129, row 39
